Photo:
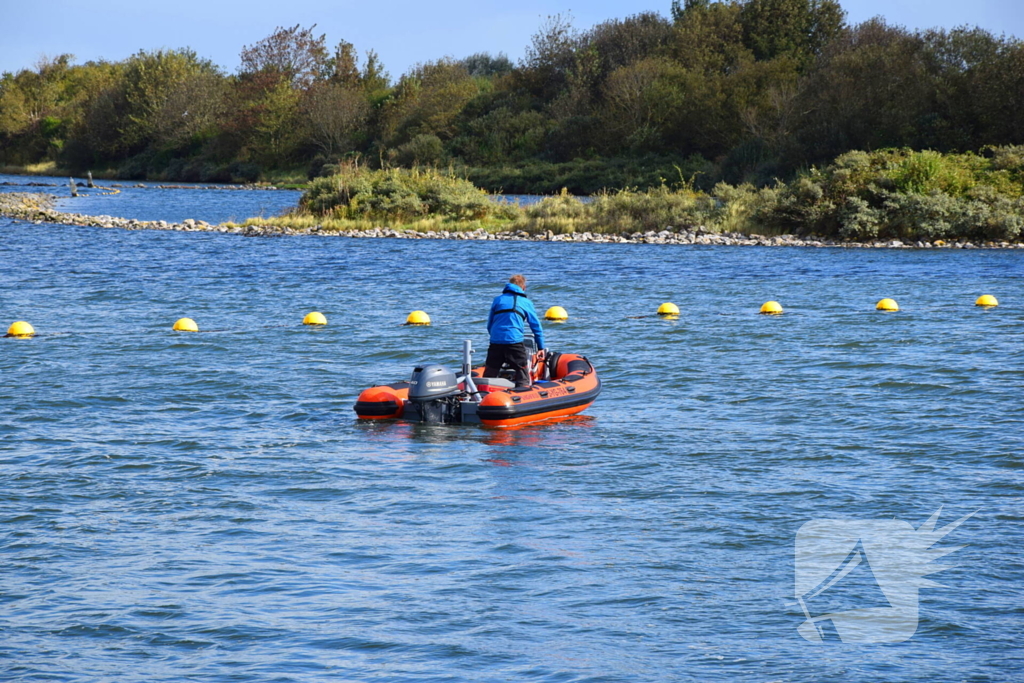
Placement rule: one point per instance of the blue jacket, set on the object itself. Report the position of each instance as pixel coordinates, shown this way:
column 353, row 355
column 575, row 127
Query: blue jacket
column 509, row 313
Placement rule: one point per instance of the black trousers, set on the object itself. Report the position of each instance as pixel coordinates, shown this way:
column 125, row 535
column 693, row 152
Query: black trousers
column 513, row 354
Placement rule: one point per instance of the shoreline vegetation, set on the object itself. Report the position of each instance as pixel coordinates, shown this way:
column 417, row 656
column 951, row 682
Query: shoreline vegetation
column 712, row 91
column 890, row 198
column 52, row 170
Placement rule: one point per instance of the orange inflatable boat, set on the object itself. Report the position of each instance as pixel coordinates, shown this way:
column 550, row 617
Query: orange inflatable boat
column 563, row 384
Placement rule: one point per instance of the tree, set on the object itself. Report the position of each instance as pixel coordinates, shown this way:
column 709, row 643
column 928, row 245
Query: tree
column 621, row 42
column 345, row 65
column 193, row 109
column 30, row 96
column 98, row 136
column 681, row 10
column 92, row 110
column 765, row 96
column 374, row 78
column 15, row 111
column 428, row 100
column 707, row 43
column 275, row 132
column 873, row 88
column 149, row 81
column 640, row 99
column 550, row 57
column 335, row 115
column 484, row 65
column 581, row 80
column 799, row 29
column 501, row 135
column 709, row 39
column 294, row 53
column 980, row 84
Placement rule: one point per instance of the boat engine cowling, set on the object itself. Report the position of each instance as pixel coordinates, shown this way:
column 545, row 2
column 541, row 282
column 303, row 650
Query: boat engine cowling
column 434, row 389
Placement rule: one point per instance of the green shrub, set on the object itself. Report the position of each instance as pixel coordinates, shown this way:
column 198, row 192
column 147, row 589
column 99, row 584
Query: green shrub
column 399, row 195
column 907, row 195
column 591, row 176
column 562, row 213
column 623, row 211
column 421, row 150
column 135, row 168
column 857, row 220
column 561, row 205
column 1008, row 158
column 861, row 196
column 654, row 209
column 242, row 171
column 320, row 166
column 926, row 172
column 1004, row 220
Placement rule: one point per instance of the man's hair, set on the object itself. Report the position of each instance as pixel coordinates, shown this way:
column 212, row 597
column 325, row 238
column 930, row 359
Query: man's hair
column 518, row 280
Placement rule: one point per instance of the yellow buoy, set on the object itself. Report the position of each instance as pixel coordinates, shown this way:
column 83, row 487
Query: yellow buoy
column 417, row 318
column 314, row 318
column 771, row 308
column 986, row 300
column 556, row 313
column 186, row 325
column 20, row 329
column 668, row 308
column 887, row 305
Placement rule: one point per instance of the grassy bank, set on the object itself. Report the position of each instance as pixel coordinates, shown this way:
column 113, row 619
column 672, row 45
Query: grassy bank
column 889, row 194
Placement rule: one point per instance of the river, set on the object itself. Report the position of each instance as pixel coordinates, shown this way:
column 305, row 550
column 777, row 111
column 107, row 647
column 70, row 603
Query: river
column 206, row 507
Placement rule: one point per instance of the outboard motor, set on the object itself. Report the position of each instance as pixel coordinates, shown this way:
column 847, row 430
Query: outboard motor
column 434, row 390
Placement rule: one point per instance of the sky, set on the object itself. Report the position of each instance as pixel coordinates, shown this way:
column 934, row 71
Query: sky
column 403, row 32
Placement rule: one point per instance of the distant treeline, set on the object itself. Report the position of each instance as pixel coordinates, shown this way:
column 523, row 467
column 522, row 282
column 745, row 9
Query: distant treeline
column 735, row 90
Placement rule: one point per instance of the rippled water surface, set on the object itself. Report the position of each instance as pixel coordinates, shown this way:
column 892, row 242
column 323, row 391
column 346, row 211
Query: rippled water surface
column 147, row 203
column 206, row 507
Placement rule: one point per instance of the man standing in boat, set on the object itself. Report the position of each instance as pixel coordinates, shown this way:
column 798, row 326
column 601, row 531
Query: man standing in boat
column 506, row 324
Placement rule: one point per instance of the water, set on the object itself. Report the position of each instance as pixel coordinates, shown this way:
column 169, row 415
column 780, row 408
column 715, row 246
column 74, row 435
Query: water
column 206, row 507
column 186, row 201
column 150, row 204
column 528, row 199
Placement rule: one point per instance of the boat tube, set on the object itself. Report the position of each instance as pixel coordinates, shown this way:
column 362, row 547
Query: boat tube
column 563, row 384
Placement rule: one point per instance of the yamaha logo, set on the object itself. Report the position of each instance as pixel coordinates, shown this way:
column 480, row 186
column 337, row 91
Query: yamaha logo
column 436, row 384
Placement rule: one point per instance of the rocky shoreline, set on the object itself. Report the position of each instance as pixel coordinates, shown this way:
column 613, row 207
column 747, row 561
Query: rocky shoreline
column 38, row 208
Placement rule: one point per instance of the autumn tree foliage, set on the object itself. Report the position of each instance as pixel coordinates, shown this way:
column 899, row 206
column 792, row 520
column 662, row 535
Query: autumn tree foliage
column 742, row 90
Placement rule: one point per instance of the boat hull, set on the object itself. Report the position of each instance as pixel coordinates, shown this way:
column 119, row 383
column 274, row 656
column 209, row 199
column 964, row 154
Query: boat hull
column 573, row 386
